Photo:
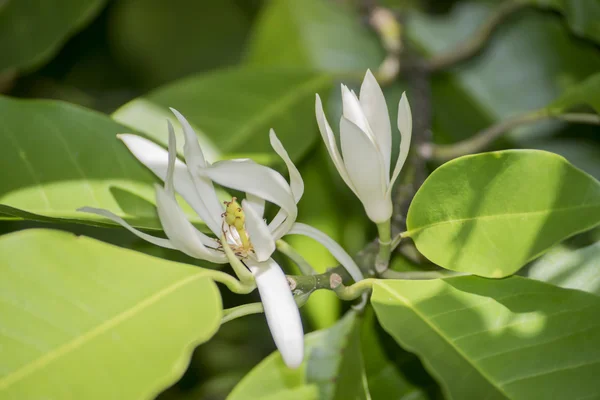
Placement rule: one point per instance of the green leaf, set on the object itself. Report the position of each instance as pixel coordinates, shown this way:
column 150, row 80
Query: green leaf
column 233, row 110
column 31, row 32
column 58, row 157
column 513, row 338
column 384, row 380
column 567, row 268
column 489, row 214
column 85, row 320
column 525, row 66
column 583, row 17
column 160, row 41
column 319, row 34
column 330, row 358
column 586, row 92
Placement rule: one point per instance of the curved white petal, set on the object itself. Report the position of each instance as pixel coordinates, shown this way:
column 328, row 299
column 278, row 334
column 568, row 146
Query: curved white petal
column 148, row 238
column 195, row 161
column 155, row 158
column 365, row 167
column 334, row 248
column 296, row 182
column 257, row 203
column 352, row 111
column 276, row 225
column 182, row 234
column 261, row 181
column 260, row 236
column 374, row 107
column 281, row 311
column 405, row 127
column 329, row 139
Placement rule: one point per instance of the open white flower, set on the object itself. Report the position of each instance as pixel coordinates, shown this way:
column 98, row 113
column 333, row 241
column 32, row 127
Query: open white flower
column 366, row 144
column 242, row 227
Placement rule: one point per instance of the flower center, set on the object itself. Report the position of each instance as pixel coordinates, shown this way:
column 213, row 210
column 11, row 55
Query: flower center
column 234, row 228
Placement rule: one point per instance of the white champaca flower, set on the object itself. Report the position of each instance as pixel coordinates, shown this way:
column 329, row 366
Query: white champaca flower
column 366, row 145
column 243, row 228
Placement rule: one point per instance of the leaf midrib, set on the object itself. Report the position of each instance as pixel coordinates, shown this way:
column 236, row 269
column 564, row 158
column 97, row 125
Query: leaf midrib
column 81, row 340
column 440, row 334
column 411, row 232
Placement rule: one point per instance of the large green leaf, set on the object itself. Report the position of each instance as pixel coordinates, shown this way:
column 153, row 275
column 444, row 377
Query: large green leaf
column 513, row 338
column 81, row 319
column 582, row 16
column 233, row 110
column 568, row 268
column 330, row 358
column 488, row 214
column 31, row 31
column 159, row 41
column 58, row 157
column 313, row 33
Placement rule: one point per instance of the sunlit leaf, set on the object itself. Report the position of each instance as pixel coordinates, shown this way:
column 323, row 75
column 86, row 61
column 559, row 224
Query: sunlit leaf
column 85, row 320
column 32, row 32
column 568, row 268
column 330, row 358
column 488, row 214
column 233, row 110
column 513, row 338
column 313, row 33
column 58, row 157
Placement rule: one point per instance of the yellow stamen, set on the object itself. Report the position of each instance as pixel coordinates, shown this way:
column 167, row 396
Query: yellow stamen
column 234, row 216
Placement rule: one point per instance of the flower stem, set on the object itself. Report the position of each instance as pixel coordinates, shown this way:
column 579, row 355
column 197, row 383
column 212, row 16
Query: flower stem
column 232, row 284
column 241, row 311
column 382, row 261
column 353, row 291
column 239, row 268
column 303, row 265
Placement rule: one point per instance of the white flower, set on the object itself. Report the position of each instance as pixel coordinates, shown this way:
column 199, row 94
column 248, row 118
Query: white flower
column 243, row 227
column 366, row 143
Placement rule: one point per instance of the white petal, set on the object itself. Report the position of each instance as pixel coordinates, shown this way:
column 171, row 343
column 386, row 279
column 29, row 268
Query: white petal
column 373, row 105
column 281, row 311
column 296, row 182
column 334, row 248
column 195, row 160
column 405, row 127
column 260, row 236
column 182, row 234
column 352, row 111
column 257, row 203
column 156, row 158
column 365, row 167
column 329, row 139
column 148, row 238
column 172, row 158
column 250, row 177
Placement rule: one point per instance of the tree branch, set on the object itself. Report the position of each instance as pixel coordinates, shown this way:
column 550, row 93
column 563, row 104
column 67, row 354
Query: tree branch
column 472, row 46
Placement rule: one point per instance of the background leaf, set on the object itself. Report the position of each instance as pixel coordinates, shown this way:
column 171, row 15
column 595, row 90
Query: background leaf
column 83, row 319
column 488, row 214
column 513, row 338
column 568, row 268
column 58, row 157
column 31, row 32
column 233, row 111
column 582, row 16
column 313, row 33
column 584, row 93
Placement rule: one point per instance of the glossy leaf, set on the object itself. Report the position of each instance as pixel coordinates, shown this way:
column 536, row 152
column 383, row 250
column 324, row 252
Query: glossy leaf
column 85, row 320
column 489, row 214
column 325, row 359
column 582, row 16
column 31, row 32
column 159, row 41
column 568, row 268
column 584, row 93
column 233, row 111
column 58, row 157
column 313, row 33
column 513, row 338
